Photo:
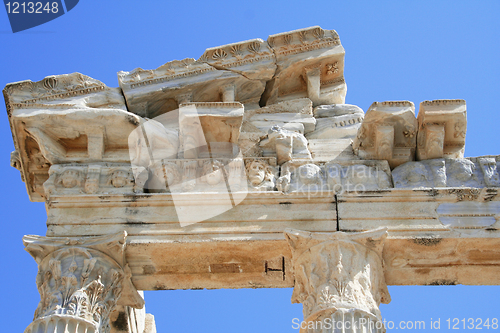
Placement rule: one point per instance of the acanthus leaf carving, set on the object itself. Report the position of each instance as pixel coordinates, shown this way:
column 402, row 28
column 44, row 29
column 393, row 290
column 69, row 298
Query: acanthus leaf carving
column 338, row 273
column 80, row 282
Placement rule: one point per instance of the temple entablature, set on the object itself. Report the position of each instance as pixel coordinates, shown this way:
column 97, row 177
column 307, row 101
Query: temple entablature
column 242, row 169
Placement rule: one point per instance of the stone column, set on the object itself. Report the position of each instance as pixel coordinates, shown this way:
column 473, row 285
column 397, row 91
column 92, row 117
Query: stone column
column 80, row 282
column 339, row 279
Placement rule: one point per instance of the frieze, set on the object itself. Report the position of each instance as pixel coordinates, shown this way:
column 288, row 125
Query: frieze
column 102, row 178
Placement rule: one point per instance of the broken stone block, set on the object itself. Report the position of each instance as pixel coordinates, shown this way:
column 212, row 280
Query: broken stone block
column 334, row 110
column 328, row 149
column 310, row 63
column 68, row 118
column 301, row 176
column 489, row 167
column 285, row 145
column 464, row 172
column 474, row 172
column 441, row 129
column 150, row 93
column 388, row 132
column 334, row 176
column 337, row 121
column 358, row 176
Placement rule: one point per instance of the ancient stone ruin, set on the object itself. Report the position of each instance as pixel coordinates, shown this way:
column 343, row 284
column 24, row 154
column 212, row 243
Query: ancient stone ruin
column 246, row 169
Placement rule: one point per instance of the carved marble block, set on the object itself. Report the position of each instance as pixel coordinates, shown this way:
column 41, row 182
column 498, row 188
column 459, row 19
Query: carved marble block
column 253, row 59
column 339, row 279
column 66, row 119
column 285, row 145
column 441, row 129
column 198, row 175
column 338, row 177
column 474, row 172
column 80, row 281
column 310, row 63
column 429, row 173
column 358, row 176
column 261, row 173
column 336, row 121
column 213, row 175
column 98, row 178
column 388, row 132
column 150, row 93
column 302, row 176
column 252, row 138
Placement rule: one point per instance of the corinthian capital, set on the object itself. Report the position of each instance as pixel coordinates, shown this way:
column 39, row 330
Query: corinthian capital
column 80, row 282
column 339, row 278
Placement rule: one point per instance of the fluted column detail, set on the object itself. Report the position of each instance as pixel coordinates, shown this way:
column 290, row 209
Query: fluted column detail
column 339, row 279
column 80, row 282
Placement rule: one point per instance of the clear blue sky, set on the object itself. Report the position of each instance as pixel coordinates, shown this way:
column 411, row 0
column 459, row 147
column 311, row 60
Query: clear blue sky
column 395, row 50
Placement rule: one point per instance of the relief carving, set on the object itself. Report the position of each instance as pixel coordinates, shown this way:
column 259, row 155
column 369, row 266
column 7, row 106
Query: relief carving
column 103, row 178
column 261, row 175
column 287, row 145
column 388, row 133
column 80, row 282
column 473, row 172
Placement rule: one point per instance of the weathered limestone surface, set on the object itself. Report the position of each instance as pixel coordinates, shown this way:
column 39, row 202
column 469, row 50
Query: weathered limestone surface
column 205, row 164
